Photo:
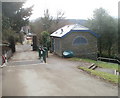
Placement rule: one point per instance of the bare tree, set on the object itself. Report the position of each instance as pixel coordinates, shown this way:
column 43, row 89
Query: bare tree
column 48, row 23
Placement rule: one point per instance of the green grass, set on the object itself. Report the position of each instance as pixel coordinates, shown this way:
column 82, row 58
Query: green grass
column 83, row 60
column 110, row 77
column 98, row 63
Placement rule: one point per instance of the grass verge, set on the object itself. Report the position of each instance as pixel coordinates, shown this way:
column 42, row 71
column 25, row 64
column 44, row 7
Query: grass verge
column 98, row 63
column 109, row 77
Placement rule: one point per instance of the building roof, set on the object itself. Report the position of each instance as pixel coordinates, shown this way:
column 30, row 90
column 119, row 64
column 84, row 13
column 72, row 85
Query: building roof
column 71, row 28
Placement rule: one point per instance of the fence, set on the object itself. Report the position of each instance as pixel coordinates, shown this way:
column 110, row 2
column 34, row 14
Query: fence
column 108, row 60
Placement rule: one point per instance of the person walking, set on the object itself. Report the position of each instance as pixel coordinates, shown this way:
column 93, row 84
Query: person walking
column 42, row 54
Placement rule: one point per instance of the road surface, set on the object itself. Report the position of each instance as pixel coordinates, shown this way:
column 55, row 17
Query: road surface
column 26, row 76
column 0, row 83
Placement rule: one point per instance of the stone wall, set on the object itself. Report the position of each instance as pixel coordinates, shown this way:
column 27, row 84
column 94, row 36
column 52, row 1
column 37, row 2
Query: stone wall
column 57, row 46
column 88, row 50
column 7, row 51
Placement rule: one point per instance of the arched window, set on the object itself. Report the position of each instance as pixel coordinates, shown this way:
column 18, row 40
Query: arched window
column 79, row 41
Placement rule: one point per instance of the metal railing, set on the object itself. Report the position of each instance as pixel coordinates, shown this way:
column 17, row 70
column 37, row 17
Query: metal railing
column 108, row 60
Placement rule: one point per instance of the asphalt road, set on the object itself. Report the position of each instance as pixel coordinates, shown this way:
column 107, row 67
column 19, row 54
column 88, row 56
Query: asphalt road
column 0, row 82
column 59, row 77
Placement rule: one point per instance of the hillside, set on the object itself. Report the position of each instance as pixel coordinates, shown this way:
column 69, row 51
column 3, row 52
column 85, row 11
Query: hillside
column 77, row 21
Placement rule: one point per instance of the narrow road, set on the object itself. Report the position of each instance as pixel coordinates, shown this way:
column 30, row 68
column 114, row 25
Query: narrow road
column 0, row 83
column 26, row 76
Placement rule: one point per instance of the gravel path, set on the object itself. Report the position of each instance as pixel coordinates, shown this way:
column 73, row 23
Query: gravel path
column 59, row 77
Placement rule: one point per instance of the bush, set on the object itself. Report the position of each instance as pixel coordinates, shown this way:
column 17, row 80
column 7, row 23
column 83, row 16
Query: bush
column 45, row 39
column 12, row 43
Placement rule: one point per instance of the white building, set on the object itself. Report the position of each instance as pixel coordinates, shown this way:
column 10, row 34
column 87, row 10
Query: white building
column 25, row 29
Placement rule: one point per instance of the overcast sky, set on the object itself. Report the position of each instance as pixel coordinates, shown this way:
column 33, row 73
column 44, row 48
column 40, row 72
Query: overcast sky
column 73, row 9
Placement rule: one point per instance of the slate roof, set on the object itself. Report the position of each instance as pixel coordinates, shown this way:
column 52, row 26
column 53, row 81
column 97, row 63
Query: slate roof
column 71, row 28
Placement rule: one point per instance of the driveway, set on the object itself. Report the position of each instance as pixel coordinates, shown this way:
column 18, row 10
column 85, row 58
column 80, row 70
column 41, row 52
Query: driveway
column 26, row 76
column 0, row 83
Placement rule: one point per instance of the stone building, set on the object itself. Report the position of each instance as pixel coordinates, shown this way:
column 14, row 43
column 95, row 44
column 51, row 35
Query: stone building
column 76, row 38
column 25, row 29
